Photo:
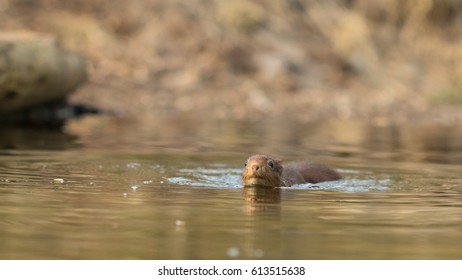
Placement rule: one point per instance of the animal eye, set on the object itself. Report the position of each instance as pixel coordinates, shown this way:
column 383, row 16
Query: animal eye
column 245, row 164
column 271, row 164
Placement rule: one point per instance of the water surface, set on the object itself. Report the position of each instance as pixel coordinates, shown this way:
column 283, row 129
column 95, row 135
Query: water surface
column 126, row 192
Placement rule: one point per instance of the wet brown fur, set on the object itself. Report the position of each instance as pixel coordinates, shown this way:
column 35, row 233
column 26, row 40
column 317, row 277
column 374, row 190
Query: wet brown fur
column 258, row 172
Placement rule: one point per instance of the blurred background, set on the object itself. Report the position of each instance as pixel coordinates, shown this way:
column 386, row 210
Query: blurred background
column 386, row 61
column 189, row 89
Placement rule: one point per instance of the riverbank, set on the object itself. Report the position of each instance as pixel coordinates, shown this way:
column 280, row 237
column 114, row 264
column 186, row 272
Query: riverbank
column 389, row 61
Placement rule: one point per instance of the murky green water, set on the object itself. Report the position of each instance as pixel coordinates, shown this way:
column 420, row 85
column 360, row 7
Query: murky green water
column 173, row 192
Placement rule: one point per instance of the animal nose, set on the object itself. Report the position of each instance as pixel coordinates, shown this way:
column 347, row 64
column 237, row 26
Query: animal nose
column 255, row 168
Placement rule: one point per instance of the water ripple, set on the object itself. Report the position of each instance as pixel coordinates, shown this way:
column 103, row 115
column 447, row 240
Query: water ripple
column 231, row 178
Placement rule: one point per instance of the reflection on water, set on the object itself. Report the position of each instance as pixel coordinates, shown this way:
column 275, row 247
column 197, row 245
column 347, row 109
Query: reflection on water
column 152, row 194
column 261, row 199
